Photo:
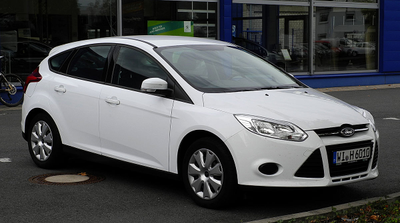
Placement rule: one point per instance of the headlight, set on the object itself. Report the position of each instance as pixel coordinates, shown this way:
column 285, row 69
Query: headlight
column 367, row 115
column 272, row 128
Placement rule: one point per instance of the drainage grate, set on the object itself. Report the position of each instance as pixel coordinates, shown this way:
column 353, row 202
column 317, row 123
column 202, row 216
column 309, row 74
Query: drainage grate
column 66, row 179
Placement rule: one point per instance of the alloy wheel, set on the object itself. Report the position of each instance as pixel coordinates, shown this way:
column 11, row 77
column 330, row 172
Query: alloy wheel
column 41, row 140
column 205, row 174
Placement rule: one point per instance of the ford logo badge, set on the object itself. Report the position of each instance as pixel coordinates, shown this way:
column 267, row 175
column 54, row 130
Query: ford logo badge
column 347, row 132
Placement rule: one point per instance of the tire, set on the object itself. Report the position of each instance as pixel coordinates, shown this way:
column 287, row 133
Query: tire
column 209, row 173
column 14, row 96
column 44, row 142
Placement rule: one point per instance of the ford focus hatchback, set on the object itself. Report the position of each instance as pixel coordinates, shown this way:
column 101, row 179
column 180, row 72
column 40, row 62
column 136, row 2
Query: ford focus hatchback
column 208, row 111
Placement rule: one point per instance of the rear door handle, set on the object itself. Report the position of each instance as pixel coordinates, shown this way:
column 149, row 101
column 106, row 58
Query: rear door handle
column 113, row 100
column 60, row 89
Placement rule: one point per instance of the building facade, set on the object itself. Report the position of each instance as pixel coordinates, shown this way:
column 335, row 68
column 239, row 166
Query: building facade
column 324, row 43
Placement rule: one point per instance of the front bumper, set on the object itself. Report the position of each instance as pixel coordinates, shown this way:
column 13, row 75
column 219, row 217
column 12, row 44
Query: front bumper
column 262, row 161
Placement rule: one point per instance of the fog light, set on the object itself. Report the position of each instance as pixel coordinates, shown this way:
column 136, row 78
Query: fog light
column 269, row 168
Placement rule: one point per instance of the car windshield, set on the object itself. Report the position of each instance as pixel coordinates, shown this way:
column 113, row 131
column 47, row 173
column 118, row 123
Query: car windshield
column 215, row 68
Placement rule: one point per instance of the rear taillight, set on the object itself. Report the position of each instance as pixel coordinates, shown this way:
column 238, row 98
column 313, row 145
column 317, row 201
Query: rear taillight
column 33, row 77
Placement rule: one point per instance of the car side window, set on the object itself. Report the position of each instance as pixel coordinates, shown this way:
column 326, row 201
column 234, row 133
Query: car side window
column 57, row 61
column 132, row 67
column 90, row 63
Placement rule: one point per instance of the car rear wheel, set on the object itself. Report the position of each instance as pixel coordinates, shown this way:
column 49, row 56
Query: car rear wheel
column 44, row 142
column 209, row 174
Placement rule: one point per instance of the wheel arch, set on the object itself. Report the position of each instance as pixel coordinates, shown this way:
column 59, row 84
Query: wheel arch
column 29, row 118
column 193, row 136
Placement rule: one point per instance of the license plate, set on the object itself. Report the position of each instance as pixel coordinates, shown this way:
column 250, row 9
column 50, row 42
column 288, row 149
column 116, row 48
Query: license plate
column 351, row 155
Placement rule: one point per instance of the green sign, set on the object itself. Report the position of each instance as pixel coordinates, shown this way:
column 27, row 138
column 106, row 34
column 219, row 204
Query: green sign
column 173, row 28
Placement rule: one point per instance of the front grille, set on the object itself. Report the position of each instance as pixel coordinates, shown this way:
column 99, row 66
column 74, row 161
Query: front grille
column 351, row 167
column 336, row 130
column 312, row 167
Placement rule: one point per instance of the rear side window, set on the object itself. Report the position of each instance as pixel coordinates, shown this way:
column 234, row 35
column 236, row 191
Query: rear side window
column 89, row 63
column 57, row 61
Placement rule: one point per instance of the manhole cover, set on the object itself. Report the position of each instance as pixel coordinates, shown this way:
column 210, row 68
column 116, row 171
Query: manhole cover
column 66, row 179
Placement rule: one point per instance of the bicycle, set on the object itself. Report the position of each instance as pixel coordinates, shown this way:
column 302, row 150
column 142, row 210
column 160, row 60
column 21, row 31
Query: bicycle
column 11, row 86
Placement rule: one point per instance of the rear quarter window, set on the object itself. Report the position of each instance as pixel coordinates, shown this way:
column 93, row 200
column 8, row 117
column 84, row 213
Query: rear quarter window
column 58, row 60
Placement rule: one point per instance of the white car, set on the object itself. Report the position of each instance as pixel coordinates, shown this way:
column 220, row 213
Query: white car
column 362, row 48
column 205, row 110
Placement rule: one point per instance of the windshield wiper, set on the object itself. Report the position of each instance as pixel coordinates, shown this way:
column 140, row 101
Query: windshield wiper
column 260, row 88
column 280, row 87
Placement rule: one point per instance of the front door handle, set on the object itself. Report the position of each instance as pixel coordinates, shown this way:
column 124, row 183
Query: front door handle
column 113, row 100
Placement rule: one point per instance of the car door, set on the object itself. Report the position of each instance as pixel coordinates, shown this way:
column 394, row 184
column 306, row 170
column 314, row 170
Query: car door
column 134, row 126
column 76, row 94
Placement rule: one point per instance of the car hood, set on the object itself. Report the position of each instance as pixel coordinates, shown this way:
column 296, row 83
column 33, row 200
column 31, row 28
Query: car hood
column 307, row 108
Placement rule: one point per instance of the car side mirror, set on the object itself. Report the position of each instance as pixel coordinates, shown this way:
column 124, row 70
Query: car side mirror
column 155, row 85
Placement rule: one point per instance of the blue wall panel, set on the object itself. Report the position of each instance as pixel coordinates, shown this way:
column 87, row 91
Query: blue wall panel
column 237, row 12
column 391, row 4
column 226, row 20
column 390, row 38
column 392, row 25
column 390, row 15
column 341, row 80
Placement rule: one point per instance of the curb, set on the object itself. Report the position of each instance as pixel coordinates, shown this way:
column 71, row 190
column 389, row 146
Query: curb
column 359, row 88
column 5, row 108
column 323, row 211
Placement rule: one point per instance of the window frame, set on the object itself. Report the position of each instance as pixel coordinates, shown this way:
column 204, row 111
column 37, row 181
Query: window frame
column 105, row 68
column 73, row 52
column 178, row 93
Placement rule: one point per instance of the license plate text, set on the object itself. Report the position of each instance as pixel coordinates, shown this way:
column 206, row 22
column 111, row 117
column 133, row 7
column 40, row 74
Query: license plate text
column 351, row 155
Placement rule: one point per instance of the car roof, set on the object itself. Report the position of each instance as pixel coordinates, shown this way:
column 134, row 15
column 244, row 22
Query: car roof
column 153, row 40
column 164, row 41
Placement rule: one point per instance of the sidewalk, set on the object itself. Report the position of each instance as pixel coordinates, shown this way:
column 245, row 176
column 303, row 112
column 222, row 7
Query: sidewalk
column 5, row 108
column 301, row 217
column 359, row 88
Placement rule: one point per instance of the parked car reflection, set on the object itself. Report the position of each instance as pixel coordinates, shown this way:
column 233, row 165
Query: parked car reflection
column 24, row 56
column 362, row 48
column 260, row 50
column 323, row 54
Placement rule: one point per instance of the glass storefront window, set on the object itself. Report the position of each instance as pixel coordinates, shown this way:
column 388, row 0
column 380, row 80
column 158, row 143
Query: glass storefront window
column 363, row 1
column 343, row 39
column 346, row 39
column 136, row 15
column 203, row 14
column 30, row 28
column 293, row 36
column 277, row 33
column 288, row 0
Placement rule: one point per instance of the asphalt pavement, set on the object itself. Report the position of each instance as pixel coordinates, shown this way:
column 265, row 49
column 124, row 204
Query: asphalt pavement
column 125, row 194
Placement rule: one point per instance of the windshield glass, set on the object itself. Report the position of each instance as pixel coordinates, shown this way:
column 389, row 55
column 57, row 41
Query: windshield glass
column 215, row 68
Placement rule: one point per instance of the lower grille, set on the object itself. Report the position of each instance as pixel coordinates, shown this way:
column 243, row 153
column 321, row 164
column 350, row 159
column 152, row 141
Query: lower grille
column 375, row 159
column 351, row 167
column 349, row 178
column 312, row 167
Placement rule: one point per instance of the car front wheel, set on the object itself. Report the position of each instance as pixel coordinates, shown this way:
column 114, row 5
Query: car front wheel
column 44, row 142
column 209, row 173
